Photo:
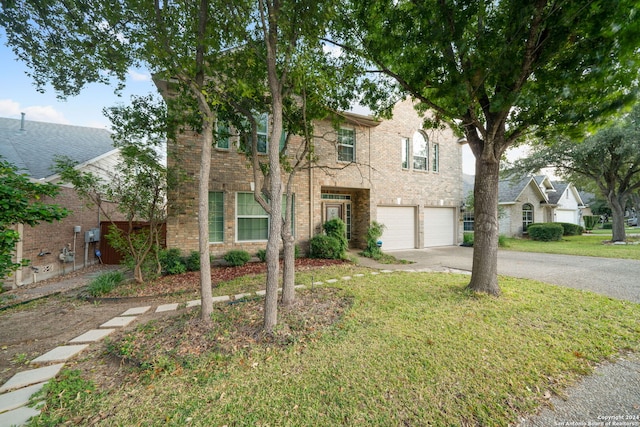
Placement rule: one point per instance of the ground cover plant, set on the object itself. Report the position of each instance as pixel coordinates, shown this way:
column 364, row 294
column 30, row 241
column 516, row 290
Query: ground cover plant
column 385, row 349
column 105, row 283
column 586, row 245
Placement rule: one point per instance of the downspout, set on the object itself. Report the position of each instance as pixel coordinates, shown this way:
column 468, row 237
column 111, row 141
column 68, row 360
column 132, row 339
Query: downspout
column 19, row 252
column 311, row 201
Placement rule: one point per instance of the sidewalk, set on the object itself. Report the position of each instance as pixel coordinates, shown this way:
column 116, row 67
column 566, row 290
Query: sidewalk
column 53, row 286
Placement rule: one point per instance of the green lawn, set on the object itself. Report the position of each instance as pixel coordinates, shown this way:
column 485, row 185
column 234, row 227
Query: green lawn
column 587, row 245
column 412, row 349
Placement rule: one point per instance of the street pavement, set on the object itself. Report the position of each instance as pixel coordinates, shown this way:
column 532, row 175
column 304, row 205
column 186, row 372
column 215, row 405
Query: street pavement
column 616, row 278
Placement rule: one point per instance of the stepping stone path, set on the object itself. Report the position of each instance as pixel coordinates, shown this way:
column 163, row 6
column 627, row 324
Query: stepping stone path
column 16, row 392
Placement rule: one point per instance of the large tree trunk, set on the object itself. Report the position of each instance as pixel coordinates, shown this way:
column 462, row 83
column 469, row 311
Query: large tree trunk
column 203, row 222
column 288, row 242
column 273, row 252
column 617, row 218
column 484, row 276
column 289, row 269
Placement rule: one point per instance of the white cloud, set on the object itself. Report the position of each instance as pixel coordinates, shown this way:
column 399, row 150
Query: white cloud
column 139, row 77
column 38, row 113
column 9, row 108
column 332, row 50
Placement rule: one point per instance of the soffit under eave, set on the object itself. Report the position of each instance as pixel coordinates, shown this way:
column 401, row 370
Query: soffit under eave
column 358, row 119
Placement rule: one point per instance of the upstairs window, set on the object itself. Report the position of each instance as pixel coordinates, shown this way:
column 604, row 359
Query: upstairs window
column 262, row 122
column 436, row 158
column 262, row 130
column 222, row 135
column 420, row 151
column 405, row 153
column 346, row 145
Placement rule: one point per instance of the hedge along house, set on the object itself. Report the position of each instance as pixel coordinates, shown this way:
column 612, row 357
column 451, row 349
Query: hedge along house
column 57, row 248
column 390, row 171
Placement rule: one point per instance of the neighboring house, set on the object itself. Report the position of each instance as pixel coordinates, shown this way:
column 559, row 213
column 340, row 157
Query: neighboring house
column 67, row 245
column 532, row 199
column 390, row 171
column 536, row 199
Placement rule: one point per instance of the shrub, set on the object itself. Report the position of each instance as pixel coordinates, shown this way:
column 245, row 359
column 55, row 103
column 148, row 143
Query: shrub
column 546, row 232
column 192, row 261
column 374, row 233
column 467, row 239
column 590, row 221
column 325, row 247
column 337, row 229
column 607, row 226
column 237, row 258
column 172, row 262
column 571, row 229
column 262, row 255
column 105, row 283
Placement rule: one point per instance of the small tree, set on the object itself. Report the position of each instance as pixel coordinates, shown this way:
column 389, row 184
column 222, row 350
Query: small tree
column 20, row 204
column 590, row 221
column 374, row 233
column 138, row 185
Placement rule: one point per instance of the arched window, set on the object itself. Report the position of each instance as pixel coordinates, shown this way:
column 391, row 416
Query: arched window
column 420, row 151
column 527, row 216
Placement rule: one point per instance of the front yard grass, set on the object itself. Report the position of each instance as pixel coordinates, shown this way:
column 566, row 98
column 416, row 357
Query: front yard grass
column 586, row 245
column 411, row 349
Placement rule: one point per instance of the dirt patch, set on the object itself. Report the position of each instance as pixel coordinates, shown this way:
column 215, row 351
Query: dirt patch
column 30, row 330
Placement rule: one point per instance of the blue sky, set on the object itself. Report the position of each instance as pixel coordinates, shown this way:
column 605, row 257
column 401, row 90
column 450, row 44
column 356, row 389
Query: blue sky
column 18, row 95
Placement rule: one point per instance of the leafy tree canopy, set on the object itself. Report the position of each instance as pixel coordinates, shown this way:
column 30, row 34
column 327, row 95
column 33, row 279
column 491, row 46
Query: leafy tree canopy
column 20, row 203
column 497, row 71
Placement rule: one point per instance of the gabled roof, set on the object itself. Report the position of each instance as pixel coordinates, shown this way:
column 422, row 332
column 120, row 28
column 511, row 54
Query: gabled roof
column 561, row 187
column 32, row 146
column 509, row 189
column 468, row 181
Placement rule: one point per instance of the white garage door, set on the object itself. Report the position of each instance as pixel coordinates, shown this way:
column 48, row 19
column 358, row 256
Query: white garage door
column 400, row 231
column 439, row 227
column 566, row 216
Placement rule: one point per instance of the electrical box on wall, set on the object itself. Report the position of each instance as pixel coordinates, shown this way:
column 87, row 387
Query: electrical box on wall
column 93, row 235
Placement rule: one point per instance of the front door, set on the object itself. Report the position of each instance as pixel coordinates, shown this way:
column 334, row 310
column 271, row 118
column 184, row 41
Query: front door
column 333, row 210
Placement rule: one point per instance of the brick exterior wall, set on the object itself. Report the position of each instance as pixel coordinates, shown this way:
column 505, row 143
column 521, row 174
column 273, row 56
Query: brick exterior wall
column 50, row 239
column 375, row 178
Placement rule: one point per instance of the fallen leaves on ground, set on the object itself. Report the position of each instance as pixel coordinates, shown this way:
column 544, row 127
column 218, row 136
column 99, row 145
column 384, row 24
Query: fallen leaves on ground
column 190, row 281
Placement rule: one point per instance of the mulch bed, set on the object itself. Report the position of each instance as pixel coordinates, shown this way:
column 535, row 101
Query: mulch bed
column 190, row 281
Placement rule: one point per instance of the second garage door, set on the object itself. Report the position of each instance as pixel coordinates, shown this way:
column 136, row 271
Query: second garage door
column 400, row 223
column 439, row 227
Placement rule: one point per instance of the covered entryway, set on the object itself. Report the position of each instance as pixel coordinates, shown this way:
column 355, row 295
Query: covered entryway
column 439, row 227
column 400, row 223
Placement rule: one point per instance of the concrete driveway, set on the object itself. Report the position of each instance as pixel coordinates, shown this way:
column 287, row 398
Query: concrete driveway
column 616, row 278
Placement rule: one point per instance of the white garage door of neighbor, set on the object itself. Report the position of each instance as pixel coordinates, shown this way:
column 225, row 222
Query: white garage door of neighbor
column 439, row 227
column 565, row 216
column 400, row 231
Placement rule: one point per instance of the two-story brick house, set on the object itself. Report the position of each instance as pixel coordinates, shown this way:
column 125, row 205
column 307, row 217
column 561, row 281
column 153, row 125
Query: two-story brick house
column 391, row 171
